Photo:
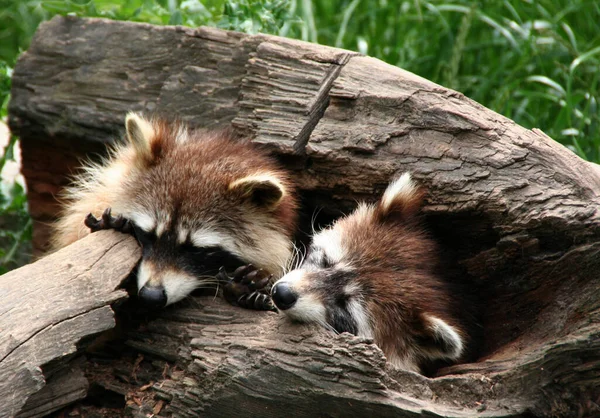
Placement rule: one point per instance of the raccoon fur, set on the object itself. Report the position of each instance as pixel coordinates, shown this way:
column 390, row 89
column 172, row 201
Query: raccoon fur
column 373, row 274
column 196, row 201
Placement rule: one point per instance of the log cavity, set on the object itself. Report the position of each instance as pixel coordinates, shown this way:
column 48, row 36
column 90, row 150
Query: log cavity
column 510, row 286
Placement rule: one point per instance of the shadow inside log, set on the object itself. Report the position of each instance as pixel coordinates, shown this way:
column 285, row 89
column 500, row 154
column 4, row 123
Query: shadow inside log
column 203, row 352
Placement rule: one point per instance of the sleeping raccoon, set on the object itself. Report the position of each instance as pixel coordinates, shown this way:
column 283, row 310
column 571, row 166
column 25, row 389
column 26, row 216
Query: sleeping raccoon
column 196, row 202
column 372, row 274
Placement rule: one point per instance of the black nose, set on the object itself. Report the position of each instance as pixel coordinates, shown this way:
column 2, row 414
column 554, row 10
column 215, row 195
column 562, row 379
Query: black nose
column 153, row 296
column 283, row 296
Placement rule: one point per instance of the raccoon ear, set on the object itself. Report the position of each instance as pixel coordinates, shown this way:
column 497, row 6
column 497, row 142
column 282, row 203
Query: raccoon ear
column 401, row 200
column 441, row 340
column 264, row 190
column 140, row 134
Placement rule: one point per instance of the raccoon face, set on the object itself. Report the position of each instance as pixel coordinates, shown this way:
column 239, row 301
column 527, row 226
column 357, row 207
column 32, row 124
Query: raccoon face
column 173, row 266
column 198, row 204
column 324, row 289
column 371, row 274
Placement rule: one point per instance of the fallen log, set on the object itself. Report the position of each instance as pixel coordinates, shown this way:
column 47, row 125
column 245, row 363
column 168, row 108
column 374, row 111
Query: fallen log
column 514, row 211
column 48, row 307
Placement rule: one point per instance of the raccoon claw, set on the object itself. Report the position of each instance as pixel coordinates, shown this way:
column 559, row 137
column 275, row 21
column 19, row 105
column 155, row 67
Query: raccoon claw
column 257, row 301
column 248, row 288
column 92, row 223
column 240, row 275
column 107, row 221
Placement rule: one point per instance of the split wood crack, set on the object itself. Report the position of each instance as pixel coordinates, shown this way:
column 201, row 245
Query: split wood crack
column 321, row 101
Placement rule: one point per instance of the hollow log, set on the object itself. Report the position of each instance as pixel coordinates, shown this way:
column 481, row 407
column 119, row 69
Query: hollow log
column 515, row 213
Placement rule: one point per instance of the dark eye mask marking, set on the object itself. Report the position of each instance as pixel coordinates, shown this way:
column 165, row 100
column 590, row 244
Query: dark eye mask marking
column 146, row 239
column 196, row 261
column 341, row 320
column 331, row 283
column 207, row 260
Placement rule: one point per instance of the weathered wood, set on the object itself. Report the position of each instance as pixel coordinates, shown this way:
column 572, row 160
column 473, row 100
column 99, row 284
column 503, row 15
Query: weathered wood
column 515, row 211
column 47, row 307
column 268, row 365
column 68, row 385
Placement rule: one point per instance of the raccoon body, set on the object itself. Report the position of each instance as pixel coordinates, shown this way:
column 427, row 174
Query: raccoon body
column 373, row 274
column 197, row 201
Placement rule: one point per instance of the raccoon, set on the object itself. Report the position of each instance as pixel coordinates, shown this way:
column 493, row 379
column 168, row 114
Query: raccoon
column 196, row 201
column 373, row 274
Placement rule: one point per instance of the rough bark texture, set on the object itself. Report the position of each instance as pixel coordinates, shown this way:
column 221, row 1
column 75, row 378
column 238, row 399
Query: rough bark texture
column 515, row 211
column 46, row 309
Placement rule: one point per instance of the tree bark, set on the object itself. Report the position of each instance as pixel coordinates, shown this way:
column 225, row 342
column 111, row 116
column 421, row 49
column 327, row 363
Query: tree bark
column 515, row 212
column 48, row 307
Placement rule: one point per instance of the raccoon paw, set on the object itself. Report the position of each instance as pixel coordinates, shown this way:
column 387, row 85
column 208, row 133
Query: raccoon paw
column 107, row 221
column 249, row 288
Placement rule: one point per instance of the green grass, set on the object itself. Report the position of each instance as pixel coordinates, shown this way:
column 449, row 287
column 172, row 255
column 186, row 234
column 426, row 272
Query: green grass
column 534, row 61
column 15, row 224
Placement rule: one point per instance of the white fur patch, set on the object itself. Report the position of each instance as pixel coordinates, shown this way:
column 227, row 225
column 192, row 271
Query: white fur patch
column 178, row 285
column 361, row 316
column 294, row 277
column 161, row 227
column 112, row 177
column 308, row 309
column 444, row 332
column 142, row 220
column 164, row 220
column 330, row 242
column 259, row 178
column 269, row 249
column 182, row 235
column 144, row 273
column 401, row 188
column 357, row 310
column 207, row 237
column 352, row 289
column 363, row 214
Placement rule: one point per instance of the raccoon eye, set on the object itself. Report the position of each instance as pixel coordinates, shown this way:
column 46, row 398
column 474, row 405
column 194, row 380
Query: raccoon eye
column 202, row 252
column 341, row 300
column 207, row 260
column 145, row 239
column 320, row 259
column 342, row 321
column 326, row 262
column 189, row 248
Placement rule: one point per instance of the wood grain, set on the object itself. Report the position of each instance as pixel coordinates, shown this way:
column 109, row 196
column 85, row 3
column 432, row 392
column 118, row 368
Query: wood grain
column 515, row 213
column 47, row 307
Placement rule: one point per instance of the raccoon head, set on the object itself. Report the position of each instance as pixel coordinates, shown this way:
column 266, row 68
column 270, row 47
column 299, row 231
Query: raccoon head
column 372, row 274
column 200, row 201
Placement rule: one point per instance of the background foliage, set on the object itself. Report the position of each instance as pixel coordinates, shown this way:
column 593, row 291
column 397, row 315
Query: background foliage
column 534, row 61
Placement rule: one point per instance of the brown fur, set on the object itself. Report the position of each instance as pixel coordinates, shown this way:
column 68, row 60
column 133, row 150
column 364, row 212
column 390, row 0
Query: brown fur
column 192, row 179
column 396, row 265
column 185, row 175
column 380, row 259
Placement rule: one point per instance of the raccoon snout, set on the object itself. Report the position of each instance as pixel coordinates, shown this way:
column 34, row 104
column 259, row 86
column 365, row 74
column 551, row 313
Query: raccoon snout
column 153, row 296
column 283, row 296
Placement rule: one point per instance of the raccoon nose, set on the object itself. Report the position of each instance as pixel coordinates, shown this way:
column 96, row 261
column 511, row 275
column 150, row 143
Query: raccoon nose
column 283, row 296
column 153, row 296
